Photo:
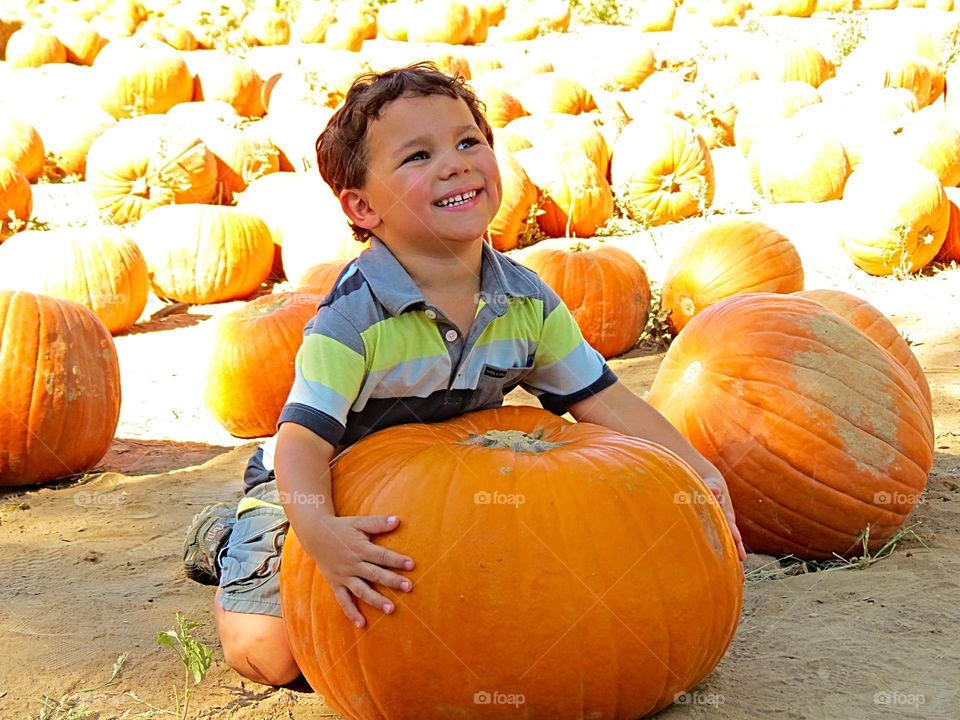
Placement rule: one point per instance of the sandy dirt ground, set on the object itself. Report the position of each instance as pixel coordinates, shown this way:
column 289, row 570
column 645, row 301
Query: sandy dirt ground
column 89, row 569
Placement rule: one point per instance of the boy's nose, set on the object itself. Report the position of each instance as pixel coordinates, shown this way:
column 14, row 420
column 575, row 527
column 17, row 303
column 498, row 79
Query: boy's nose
column 453, row 164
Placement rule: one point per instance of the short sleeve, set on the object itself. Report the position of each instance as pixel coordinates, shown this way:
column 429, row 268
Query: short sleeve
column 566, row 368
column 329, row 372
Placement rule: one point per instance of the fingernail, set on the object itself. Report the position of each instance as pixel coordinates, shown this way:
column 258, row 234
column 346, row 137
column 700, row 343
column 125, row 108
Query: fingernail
column 359, row 623
column 392, row 519
column 405, row 585
column 408, row 564
column 387, row 607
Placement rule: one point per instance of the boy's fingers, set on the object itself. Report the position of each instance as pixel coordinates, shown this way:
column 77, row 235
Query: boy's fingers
column 375, row 523
column 349, row 607
column 368, row 595
column 376, row 574
column 379, row 555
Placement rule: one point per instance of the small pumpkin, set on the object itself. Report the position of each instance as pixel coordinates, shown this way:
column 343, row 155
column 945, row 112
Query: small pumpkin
column 16, row 196
column 22, row 145
column 726, row 258
column 501, row 520
column 321, row 278
column 135, row 77
column 61, row 389
column 818, row 431
column 31, row 47
column 605, row 288
column 519, row 197
column 251, row 368
column 950, row 250
column 227, row 78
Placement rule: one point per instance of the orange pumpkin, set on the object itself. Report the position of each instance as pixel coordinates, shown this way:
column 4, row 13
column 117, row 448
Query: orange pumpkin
column 97, row 267
column 16, row 196
column 818, row 432
column 68, row 128
column 895, row 217
column 227, row 78
column 135, row 77
column 251, row 368
column 661, row 169
column 22, row 145
column 501, row 521
column 551, row 92
column 761, row 103
column 439, row 21
column 576, row 197
column 605, row 288
column 241, row 157
column 32, row 47
column 519, row 197
column 566, row 132
column 929, row 137
column 146, row 162
column 654, row 16
column 798, row 162
column 81, row 41
column 321, row 278
column 204, row 253
column 726, row 258
column 266, row 27
column 61, row 388
column 795, row 61
column 875, row 325
column 950, row 250
column 500, row 107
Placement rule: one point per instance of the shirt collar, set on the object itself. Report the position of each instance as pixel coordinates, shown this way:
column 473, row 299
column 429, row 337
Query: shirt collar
column 397, row 292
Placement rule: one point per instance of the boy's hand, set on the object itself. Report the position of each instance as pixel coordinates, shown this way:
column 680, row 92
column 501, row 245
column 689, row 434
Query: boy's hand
column 718, row 487
column 350, row 562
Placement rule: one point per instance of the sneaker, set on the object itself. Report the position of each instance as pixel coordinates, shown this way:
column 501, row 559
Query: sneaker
column 207, row 533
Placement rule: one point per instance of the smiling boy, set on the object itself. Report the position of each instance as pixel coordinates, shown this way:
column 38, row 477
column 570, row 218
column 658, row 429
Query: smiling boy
column 428, row 323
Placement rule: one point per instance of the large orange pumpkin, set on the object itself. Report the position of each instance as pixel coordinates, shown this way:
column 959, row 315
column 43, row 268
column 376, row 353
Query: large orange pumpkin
column 31, row 47
column 61, row 388
column 875, row 325
column 22, row 145
column 819, row 432
column 204, row 253
column 322, row 277
column 136, row 77
column 950, row 250
column 519, row 197
column 251, row 368
column 145, row 162
column 895, row 217
column 576, row 197
column 97, row 267
column 662, row 169
column 228, row 78
column 605, row 288
column 644, row 590
column 551, row 92
column 726, row 258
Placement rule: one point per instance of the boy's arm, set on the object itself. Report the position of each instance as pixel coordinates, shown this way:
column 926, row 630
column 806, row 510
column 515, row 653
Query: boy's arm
column 617, row 408
column 341, row 546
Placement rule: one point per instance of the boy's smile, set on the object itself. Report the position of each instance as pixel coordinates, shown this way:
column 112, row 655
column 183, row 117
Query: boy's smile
column 431, row 175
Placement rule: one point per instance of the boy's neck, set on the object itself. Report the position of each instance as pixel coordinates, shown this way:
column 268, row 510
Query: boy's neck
column 443, row 268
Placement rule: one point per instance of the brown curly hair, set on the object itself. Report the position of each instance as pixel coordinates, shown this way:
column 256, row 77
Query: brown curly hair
column 342, row 149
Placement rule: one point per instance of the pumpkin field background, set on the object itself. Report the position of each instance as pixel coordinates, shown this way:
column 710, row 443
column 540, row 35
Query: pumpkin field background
column 89, row 567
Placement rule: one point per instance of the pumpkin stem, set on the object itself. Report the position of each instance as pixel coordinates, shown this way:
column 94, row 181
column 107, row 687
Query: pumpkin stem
column 140, row 187
column 515, row 440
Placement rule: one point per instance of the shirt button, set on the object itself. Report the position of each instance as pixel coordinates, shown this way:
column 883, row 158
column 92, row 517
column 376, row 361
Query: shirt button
column 430, row 314
column 451, row 335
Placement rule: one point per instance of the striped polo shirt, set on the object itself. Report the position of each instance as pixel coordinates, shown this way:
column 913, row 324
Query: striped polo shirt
column 378, row 353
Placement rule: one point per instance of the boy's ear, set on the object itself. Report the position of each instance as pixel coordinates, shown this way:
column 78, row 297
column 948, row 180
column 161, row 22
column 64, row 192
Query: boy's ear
column 356, row 207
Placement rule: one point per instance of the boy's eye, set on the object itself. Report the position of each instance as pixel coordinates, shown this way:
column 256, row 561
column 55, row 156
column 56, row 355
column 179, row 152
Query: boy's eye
column 470, row 141
column 418, row 155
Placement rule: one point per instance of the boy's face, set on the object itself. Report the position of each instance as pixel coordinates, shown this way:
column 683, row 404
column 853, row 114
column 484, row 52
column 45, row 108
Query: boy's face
column 423, row 152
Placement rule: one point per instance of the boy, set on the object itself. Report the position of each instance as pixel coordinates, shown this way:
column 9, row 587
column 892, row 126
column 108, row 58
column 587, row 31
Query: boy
column 428, row 323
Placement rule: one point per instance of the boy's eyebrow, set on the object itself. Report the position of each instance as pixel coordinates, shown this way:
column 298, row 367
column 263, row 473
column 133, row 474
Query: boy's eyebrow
column 424, row 139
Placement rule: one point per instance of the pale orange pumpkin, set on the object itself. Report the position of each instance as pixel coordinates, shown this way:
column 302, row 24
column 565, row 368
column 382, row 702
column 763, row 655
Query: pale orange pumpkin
column 97, row 267
column 227, row 78
column 760, row 103
column 500, row 106
column 145, row 162
column 818, row 431
column 321, row 278
column 204, row 253
column 266, row 27
column 794, row 61
column 605, row 288
column 575, row 197
column 251, row 367
column 950, row 250
column 136, row 77
column 32, row 47
column 661, row 169
column 551, row 92
column 875, row 325
column 22, row 145
column 81, row 41
column 895, row 217
column 242, row 156
column 930, row 137
column 566, row 132
column 726, row 258
column 61, row 389
column 68, row 128
column 503, row 520
column 443, row 21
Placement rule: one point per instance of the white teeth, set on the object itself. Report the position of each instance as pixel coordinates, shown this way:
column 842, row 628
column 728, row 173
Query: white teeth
column 457, row 199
